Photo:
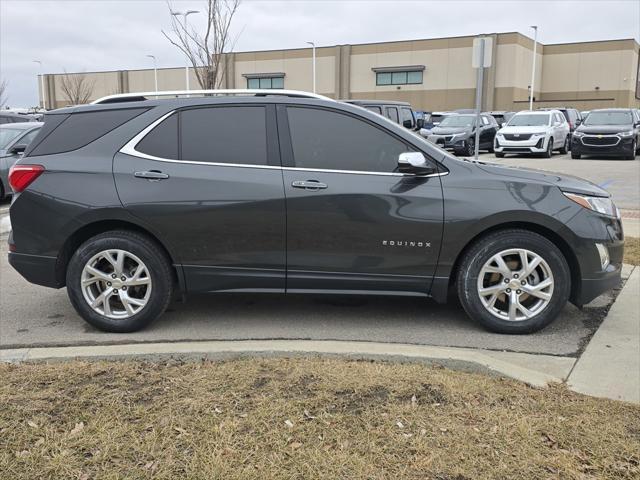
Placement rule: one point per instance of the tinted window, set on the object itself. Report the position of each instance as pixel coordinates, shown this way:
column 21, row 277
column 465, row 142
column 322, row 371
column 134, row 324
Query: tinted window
column 162, row 141
column 224, row 135
column 406, row 116
column 80, row 129
column 392, row 113
column 334, row 141
column 51, row 121
column 375, row 109
column 28, row 138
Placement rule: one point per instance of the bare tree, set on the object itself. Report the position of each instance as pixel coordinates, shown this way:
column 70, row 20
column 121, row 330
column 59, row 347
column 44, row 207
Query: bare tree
column 77, row 87
column 206, row 51
column 3, row 93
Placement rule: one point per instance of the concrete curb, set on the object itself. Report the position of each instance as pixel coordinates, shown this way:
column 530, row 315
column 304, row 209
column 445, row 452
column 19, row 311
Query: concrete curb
column 536, row 370
column 610, row 365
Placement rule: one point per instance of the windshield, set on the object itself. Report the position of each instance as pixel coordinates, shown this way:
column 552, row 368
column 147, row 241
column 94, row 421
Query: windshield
column 7, row 135
column 529, row 120
column 608, row 118
column 458, row 121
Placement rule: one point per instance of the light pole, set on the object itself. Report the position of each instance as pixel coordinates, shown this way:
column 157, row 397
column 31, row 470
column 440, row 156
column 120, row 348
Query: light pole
column 44, row 102
column 184, row 17
column 533, row 66
column 313, row 50
column 155, row 71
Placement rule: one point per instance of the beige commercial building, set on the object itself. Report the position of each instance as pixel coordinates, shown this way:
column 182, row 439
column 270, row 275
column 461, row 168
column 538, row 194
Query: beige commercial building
column 431, row 74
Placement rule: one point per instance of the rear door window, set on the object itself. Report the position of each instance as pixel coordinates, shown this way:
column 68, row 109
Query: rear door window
column 392, row 113
column 407, row 117
column 234, row 134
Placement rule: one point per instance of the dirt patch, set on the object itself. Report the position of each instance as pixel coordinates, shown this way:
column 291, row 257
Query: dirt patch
column 302, row 418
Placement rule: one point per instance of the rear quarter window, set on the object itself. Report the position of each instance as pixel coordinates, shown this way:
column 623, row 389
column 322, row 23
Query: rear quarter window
column 80, row 129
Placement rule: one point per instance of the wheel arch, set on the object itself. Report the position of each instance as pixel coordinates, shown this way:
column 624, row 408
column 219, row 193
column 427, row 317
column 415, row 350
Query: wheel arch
column 548, row 233
column 84, row 233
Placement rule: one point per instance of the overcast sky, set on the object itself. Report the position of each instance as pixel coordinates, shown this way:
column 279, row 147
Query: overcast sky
column 89, row 35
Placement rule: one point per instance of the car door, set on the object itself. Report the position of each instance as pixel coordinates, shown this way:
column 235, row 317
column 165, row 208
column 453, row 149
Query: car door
column 486, row 132
column 353, row 222
column 560, row 129
column 392, row 114
column 216, row 197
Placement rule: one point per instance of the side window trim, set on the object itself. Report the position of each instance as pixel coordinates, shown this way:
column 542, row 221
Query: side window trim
column 273, row 151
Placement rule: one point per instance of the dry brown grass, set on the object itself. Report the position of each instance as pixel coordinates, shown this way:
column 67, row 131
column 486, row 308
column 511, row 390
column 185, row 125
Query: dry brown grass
column 632, row 250
column 302, row 418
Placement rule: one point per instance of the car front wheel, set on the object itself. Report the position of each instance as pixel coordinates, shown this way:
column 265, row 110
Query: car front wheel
column 119, row 281
column 549, row 152
column 513, row 281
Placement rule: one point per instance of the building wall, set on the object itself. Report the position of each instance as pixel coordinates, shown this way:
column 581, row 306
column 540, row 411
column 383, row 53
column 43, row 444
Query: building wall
column 566, row 74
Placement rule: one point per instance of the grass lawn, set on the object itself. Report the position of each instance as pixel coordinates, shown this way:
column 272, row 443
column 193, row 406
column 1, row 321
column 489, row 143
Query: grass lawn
column 302, row 418
column 632, row 250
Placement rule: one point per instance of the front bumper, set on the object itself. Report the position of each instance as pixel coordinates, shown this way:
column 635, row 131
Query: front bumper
column 535, row 144
column 584, row 146
column 448, row 142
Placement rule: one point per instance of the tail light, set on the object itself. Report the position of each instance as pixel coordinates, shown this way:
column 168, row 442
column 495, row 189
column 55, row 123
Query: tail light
column 21, row 176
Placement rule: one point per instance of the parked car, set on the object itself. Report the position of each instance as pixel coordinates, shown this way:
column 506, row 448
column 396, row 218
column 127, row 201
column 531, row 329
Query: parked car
column 584, row 114
column 458, row 133
column 126, row 202
column 433, row 121
column 398, row 112
column 14, row 139
column 501, row 116
column 608, row 132
column 10, row 117
column 533, row 132
column 573, row 117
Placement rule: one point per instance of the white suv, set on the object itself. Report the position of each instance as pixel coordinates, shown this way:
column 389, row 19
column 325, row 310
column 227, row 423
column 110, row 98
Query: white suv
column 533, row 132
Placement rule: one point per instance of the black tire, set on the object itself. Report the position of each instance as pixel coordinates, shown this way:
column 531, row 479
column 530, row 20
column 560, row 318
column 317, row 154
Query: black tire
column 469, row 148
column 158, row 266
column 1, row 191
column 565, row 147
column 482, row 250
column 499, row 155
column 632, row 154
column 549, row 152
column 575, row 156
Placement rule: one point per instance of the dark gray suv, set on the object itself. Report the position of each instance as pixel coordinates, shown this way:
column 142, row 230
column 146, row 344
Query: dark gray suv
column 130, row 200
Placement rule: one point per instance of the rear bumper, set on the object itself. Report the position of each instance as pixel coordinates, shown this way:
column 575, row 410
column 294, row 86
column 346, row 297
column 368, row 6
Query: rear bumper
column 36, row 269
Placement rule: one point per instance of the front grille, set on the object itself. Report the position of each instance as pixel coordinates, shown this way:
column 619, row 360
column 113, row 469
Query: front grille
column 601, row 141
column 517, row 136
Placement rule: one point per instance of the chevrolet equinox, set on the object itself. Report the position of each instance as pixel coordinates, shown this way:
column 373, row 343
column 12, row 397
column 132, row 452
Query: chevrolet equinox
column 135, row 198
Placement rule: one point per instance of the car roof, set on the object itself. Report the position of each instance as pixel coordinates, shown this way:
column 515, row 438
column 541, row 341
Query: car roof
column 537, row 112
column 21, row 125
column 612, row 109
column 376, row 102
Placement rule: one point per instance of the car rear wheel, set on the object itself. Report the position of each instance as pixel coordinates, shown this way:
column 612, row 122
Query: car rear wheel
column 565, row 147
column 549, row 152
column 119, row 281
column 513, row 281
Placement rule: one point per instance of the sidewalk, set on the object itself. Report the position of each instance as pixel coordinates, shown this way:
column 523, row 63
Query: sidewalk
column 610, row 365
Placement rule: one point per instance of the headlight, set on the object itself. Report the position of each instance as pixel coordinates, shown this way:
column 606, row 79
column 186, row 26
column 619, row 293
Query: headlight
column 578, row 134
column 602, row 205
column 538, row 133
column 626, row 134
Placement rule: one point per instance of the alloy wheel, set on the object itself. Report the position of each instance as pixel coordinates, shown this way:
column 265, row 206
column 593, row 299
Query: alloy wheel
column 116, row 283
column 515, row 284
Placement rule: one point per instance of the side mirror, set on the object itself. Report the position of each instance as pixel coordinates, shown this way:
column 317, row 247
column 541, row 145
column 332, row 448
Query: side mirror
column 18, row 149
column 420, row 123
column 414, row 162
column 407, row 123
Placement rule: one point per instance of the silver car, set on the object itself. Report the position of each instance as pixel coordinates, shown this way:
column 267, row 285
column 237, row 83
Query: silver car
column 14, row 138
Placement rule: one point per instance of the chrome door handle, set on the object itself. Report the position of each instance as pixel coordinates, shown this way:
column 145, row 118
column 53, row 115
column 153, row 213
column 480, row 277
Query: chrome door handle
column 309, row 184
column 151, row 175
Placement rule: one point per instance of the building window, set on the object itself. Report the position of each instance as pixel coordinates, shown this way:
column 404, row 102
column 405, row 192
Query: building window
column 265, row 82
column 410, row 75
column 398, row 78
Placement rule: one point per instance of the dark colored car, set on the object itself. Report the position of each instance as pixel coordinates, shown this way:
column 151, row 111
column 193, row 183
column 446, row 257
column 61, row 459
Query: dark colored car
column 457, row 133
column 398, row 112
column 10, row 117
column 128, row 202
column 608, row 132
column 14, row 139
column 501, row 116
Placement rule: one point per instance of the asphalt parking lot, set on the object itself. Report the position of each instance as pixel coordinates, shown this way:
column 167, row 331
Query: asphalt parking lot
column 37, row 316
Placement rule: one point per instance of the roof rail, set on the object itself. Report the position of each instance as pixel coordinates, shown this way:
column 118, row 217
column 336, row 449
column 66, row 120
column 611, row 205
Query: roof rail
column 140, row 96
